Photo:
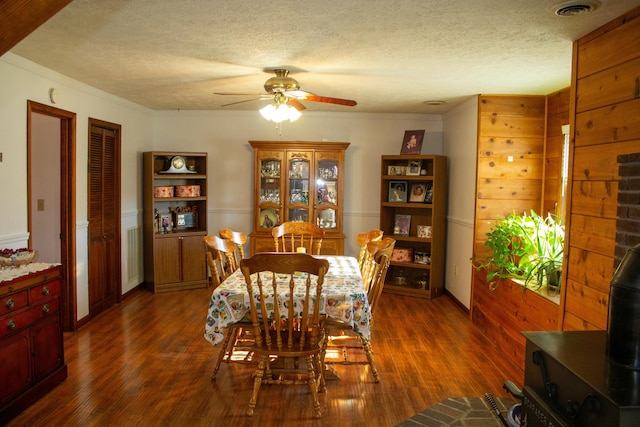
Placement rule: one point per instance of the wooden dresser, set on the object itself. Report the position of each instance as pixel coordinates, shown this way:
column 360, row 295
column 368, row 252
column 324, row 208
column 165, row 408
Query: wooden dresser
column 31, row 346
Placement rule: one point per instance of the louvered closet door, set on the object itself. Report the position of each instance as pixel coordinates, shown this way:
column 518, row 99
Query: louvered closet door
column 104, row 211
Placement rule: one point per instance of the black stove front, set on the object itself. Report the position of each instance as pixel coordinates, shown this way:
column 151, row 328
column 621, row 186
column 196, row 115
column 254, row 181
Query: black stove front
column 569, row 381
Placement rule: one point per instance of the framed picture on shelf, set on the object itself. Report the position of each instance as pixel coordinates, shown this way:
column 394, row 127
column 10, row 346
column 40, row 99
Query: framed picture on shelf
column 412, row 142
column 418, row 190
column 391, row 170
column 397, row 191
column 428, row 192
column 165, row 223
column 402, row 225
column 414, row 167
column 425, row 231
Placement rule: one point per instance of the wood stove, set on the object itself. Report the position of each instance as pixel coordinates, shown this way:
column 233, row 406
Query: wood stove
column 570, row 381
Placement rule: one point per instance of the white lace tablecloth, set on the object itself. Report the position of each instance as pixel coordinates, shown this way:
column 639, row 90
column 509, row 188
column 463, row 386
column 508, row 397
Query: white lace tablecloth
column 10, row 273
column 343, row 298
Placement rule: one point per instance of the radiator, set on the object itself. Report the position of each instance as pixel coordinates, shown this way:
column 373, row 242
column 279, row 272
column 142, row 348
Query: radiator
column 134, row 253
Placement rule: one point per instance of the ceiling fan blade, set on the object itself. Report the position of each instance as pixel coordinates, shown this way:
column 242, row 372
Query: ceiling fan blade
column 241, row 94
column 296, row 104
column 308, row 96
column 241, row 102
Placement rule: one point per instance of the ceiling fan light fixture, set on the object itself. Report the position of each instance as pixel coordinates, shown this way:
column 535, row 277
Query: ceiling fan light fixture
column 280, row 112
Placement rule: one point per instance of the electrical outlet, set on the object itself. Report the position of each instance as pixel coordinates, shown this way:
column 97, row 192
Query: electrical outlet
column 40, row 204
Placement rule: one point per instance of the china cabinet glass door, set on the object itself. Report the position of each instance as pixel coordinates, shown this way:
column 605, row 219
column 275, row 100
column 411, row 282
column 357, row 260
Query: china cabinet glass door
column 270, row 191
column 327, row 192
column 298, row 188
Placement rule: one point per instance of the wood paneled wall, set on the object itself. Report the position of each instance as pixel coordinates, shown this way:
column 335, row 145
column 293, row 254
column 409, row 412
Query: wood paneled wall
column 511, row 177
column 605, row 112
column 502, row 314
column 604, row 116
column 510, row 159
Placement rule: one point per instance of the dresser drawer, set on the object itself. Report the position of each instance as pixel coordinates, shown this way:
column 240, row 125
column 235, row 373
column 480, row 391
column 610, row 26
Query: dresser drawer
column 14, row 322
column 45, row 292
column 13, row 302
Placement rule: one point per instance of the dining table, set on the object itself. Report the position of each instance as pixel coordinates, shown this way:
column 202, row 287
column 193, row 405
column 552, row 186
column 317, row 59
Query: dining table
column 343, row 297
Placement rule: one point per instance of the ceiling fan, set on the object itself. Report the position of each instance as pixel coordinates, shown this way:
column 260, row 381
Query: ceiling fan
column 286, row 90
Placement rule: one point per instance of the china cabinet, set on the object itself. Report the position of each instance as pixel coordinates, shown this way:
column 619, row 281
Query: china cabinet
column 175, row 220
column 413, row 204
column 298, row 181
column 31, row 345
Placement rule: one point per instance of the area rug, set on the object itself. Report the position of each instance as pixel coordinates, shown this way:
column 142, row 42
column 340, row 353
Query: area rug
column 462, row 411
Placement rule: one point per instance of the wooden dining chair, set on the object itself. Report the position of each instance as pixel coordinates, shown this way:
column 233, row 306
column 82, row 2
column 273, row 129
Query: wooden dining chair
column 299, row 339
column 364, row 238
column 238, row 238
column 221, row 258
column 289, row 236
column 340, row 338
column 222, row 261
column 378, row 270
column 370, row 267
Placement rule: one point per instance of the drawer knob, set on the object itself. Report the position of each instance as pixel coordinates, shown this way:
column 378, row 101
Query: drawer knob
column 10, row 303
column 12, row 324
column 45, row 290
column 45, row 308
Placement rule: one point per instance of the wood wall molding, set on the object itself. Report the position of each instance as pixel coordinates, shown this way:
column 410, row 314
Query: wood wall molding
column 18, row 18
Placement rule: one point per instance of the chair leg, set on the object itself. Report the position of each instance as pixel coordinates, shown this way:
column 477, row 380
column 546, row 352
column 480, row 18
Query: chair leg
column 313, row 386
column 369, row 352
column 257, row 381
column 231, row 332
column 320, row 374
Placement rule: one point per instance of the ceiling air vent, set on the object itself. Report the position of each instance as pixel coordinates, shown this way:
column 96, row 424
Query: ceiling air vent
column 575, row 7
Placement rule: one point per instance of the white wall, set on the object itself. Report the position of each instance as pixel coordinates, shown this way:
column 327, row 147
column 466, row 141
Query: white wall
column 223, row 135
column 22, row 80
column 460, row 130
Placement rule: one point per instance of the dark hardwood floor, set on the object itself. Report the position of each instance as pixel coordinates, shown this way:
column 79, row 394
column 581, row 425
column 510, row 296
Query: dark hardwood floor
column 144, row 362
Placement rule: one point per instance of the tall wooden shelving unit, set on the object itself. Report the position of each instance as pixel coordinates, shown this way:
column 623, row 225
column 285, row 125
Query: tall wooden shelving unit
column 174, row 256
column 298, row 181
column 409, row 277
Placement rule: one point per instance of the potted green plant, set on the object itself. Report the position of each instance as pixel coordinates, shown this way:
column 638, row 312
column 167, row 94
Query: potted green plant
column 525, row 247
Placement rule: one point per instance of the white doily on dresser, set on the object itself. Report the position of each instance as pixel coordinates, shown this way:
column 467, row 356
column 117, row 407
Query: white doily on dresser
column 10, row 273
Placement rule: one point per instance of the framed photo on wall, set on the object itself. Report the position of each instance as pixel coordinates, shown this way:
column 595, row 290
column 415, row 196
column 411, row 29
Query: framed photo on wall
column 412, row 142
column 397, row 191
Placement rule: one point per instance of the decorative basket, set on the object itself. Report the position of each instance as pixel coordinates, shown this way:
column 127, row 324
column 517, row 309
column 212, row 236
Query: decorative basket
column 187, row 191
column 17, row 258
column 160, row 192
column 402, row 255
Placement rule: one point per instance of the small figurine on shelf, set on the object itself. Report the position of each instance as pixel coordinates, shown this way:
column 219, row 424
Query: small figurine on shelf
column 156, row 221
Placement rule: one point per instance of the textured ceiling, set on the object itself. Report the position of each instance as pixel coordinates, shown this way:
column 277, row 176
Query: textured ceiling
column 388, row 55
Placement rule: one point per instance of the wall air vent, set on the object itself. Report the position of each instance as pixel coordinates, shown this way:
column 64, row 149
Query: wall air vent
column 575, row 7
